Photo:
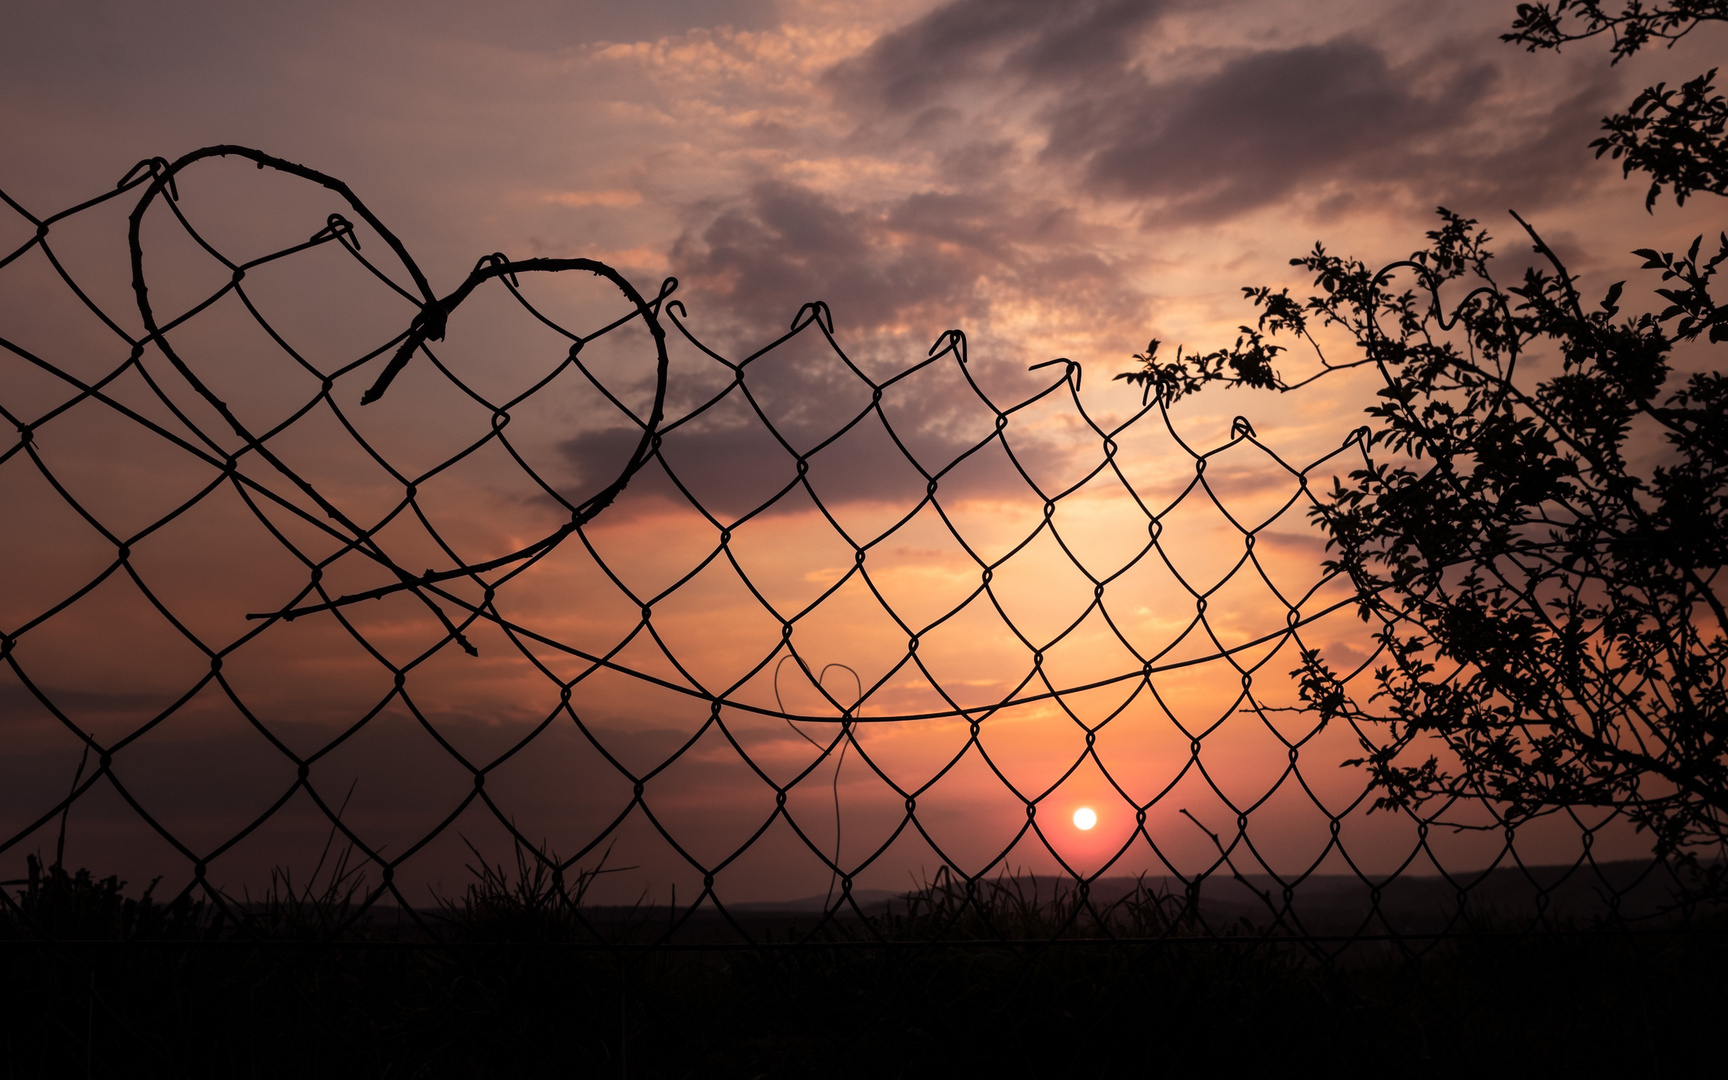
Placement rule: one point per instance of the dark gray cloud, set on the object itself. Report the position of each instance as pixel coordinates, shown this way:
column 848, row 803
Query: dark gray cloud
column 1258, row 128
column 911, row 68
column 921, row 263
column 730, row 464
column 1338, row 117
column 784, row 245
column 732, row 471
column 898, row 271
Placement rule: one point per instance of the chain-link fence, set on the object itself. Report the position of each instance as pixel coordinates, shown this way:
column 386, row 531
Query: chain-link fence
column 699, row 649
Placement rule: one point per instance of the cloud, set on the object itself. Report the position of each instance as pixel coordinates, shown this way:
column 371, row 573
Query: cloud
column 1109, row 108
column 913, row 265
column 785, row 244
column 1336, row 117
column 615, row 198
column 967, row 41
column 896, row 272
column 1257, row 129
column 730, row 462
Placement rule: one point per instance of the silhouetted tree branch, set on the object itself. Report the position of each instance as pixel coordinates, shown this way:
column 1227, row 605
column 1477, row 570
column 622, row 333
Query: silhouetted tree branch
column 1549, row 26
column 1674, row 135
column 1544, row 557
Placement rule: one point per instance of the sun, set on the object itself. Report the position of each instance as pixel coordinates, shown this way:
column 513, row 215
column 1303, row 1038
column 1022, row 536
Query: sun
column 1084, row 818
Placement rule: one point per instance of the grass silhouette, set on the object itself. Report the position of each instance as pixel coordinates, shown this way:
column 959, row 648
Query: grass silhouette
column 516, row 977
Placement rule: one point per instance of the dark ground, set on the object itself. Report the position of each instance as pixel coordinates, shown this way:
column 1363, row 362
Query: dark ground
column 515, row 995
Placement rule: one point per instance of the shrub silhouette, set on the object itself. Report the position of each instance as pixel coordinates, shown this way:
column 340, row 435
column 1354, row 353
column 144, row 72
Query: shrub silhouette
column 1543, row 555
column 1676, row 136
column 79, row 906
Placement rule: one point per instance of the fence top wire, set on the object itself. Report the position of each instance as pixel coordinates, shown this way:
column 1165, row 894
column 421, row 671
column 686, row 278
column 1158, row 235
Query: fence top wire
column 1140, row 890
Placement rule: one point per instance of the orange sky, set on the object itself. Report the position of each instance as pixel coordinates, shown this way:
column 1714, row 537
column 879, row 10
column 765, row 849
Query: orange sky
column 1055, row 180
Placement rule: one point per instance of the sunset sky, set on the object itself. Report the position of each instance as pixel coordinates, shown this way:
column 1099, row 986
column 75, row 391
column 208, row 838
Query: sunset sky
column 1056, row 180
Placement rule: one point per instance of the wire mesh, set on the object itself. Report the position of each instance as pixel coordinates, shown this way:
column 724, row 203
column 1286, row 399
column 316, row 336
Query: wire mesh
column 930, row 698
